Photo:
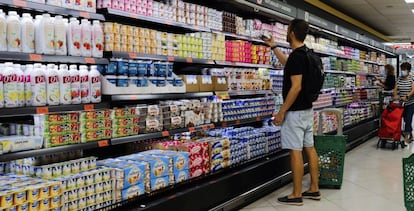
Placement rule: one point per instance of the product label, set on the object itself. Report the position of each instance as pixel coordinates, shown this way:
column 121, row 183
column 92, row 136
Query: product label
column 29, row 41
column 3, row 34
column 53, row 90
column 60, row 39
column 13, row 36
column 49, row 42
column 10, row 90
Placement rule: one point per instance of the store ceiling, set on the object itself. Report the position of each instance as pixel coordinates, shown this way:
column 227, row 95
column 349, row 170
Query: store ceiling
column 392, row 18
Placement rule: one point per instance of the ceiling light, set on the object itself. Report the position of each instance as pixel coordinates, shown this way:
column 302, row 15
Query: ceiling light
column 412, row 10
column 409, row 1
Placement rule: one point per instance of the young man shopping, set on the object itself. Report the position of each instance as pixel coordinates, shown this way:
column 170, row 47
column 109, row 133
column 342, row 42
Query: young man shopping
column 296, row 114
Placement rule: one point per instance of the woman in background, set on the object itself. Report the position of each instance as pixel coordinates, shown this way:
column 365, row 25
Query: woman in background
column 389, row 82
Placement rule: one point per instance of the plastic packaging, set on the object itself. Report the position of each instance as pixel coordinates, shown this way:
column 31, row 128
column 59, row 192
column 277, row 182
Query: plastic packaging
column 14, row 41
column 27, row 85
column 1, row 86
column 65, row 84
column 52, row 85
column 95, row 85
column 84, row 84
column 38, row 37
column 11, row 99
column 75, row 85
column 74, row 37
column 3, row 31
column 60, row 36
column 47, row 35
column 38, row 85
column 20, row 84
column 97, row 39
column 28, row 36
column 86, row 37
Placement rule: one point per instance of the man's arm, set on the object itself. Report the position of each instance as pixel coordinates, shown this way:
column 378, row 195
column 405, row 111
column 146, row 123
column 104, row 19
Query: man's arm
column 279, row 54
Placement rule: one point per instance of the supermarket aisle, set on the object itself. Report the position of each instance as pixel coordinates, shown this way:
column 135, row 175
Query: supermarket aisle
column 372, row 182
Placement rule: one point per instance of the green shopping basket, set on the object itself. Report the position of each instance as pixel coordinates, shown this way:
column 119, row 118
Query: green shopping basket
column 331, row 153
column 408, row 179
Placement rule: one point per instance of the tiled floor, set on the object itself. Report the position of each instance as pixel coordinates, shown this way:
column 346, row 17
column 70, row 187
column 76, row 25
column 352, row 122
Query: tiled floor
column 372, row 182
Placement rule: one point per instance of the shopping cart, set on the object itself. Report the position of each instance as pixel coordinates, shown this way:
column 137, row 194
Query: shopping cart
column 331, row 153
column 408, row 180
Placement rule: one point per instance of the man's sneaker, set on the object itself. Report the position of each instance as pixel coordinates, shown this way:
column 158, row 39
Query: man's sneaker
column 288, row 201
column 313, row 195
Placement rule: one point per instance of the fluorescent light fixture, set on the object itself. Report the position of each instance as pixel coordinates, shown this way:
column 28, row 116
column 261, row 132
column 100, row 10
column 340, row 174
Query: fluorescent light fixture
column 412, row 10
column 409, row 1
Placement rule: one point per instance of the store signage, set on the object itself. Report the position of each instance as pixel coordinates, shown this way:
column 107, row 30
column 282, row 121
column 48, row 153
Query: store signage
column 317, row 21
column 276, row 6
column 364, row 39
column 347, row 33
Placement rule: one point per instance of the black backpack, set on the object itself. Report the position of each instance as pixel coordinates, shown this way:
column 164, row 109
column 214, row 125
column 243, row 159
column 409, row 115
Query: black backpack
column 313, row 79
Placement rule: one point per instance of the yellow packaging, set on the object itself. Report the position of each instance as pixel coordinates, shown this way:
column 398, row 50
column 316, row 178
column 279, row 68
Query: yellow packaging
column 55, row 202
column 55, row 189
column 108, row 27
column 117, row 38
column 130, row 48
column 136, row 40
column 124, row 39
column 45, row 204
column 152, row 34
column 130, row 30
column 117, row 47
column 135, row 31
column 109, row 46
column 117, row 28
column 44, row 191
column 136, row 49
column 35, row 206
column 124, row 29
column 124, row 48
column 6, row 198
column 109, row 37
column 23, row 207
column 33, row 193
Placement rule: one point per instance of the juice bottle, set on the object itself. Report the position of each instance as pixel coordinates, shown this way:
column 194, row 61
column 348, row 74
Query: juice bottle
column 14, row 40
column 38, row 85
column 97, row 39
column 52, row 85
column 60, row 36
column 3, row 31
column 75, row 85
column 84, row 84
column 28, row 34
column 11, row 99
column 95, row 85
column 47, row 35
column 65, row 84
column 74, row 37
column 86, row 37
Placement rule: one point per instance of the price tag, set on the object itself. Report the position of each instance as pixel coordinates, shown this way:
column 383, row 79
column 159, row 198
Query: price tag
column 223, row 95
column 258, row 119
column 191, row 129
column 170, row 58
column 19, row 3
column 210, row 61
column 237, row 122
column 189, row 60
column 165, row 133
column 89, row 60
column 85, row 14
column 132, row 55
column 42, row 110
column 103, row 143
column 204, row 127
column 168, row 22
column 224, row 124
column 134, row 97
column 89, row 107
column 35, row 57
column 212, row 126
column 133, row 15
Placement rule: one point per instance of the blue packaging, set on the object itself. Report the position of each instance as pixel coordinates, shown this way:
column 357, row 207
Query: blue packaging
column 181, row 176
column 122, row 81
column 133, row 191
column 111, row 79
column 123, row 68
column 170, row 67
column 142, row 68
column 132, row 68
column 142, row 82
column 102, row 69
column 112, row 68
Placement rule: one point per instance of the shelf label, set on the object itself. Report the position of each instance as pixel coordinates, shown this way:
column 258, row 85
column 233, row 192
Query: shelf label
column 168, row 22
column 212, row 126
column 132, row 55
column 165, row 133
column 210, row 61
column 89, row 107
column 191, row 129
column 42, row 110
column 170, row 58
column 133, row 97
column 19, row 3
column 133, row 15
column 223, row 95
column 85, row 14
column 204, row 127
column 237, row 122
column 258, row 119
column 90, row 60
column 224, row 124
column 35, row 57
column 189, row 60
column 103, row 143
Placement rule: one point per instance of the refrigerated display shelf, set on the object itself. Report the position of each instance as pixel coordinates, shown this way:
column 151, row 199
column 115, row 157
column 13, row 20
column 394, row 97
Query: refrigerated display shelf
column 57, row 10
column 345, row 57
column 241, row 64
column 250, row 92
column 24, row 111
column 27, row 57
column 164, row 96
column 126, row 55
column 340, row 72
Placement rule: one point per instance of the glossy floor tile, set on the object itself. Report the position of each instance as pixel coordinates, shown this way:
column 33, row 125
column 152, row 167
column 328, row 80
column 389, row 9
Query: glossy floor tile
column 372, row 181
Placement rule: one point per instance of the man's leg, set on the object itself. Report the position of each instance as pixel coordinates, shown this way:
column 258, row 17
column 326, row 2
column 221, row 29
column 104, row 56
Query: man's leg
column 296, row 163
column 313, row 168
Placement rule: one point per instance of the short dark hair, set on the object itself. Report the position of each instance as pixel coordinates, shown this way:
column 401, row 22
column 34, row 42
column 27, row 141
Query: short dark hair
column 300, row 28
column 406, row 66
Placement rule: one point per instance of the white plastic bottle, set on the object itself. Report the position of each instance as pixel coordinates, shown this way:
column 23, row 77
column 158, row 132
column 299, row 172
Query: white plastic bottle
column 65, row 85
column 97, row 39
column 38, row 85
column 60, row 36
column 14, row 39
column 86, row 37
column 1, row 86
column 74, row 37
column 95, row 85
column 28, row 34
column 27, row 85
column 52, row 85
column 75, row 85
column 84, row 84
column 11, row 99
column 20, row 84
column 47, row 35
column 38, row 38
column 3, row 31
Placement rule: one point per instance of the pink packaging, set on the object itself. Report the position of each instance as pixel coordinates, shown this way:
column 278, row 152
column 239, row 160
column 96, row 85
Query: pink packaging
column 139, row 10
column 144, row 11
column 149, row 12
column 138, row 3
column 144, row 3
column 150, row 4
column 127, row 2
column 114, row 4
column 133, row 2
column 127, row 7
column 121, row 5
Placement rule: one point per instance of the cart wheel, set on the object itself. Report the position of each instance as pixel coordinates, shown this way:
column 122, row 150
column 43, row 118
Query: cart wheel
column 402, row 144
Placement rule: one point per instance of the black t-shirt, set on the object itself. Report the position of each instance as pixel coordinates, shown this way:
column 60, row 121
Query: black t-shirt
column 389, row 82
column 296, row 64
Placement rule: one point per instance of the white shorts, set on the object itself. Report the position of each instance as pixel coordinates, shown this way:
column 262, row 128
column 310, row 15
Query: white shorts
column 297, row 130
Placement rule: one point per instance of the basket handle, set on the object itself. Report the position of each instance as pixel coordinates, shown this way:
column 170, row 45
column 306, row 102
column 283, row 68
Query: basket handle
column 338, row 114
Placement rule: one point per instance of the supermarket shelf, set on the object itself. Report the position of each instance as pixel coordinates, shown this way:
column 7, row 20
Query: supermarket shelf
column 340, row 72
column 241, row 64
column 238, row 36
column 23, row 111
column 39, row 152
column 115, row 54
column 17, row 56
column 250, row 92
column 113, row 12
column 27, row 5
column 346, row 57
column 164, row 96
